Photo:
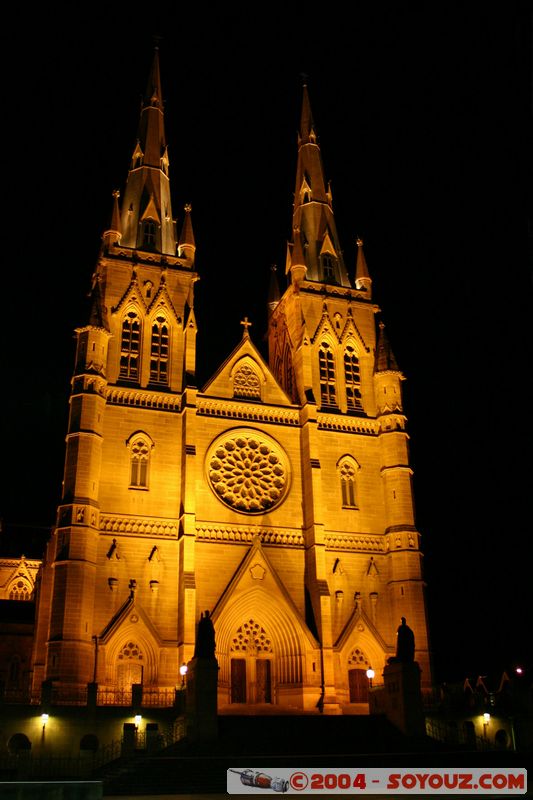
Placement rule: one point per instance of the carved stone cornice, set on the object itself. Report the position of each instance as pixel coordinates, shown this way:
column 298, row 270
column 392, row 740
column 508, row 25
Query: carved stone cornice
column 143, row 398
column 346, row 424
column 239, row 534
column 138, row 526
column 361, row 542
column 247, row 412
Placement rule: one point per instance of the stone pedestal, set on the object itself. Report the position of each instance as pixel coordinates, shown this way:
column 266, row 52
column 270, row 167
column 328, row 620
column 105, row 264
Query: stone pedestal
column 402, row 697
column 201, row 699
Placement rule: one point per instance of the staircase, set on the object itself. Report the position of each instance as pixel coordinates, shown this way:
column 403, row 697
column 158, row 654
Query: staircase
column 265, row 743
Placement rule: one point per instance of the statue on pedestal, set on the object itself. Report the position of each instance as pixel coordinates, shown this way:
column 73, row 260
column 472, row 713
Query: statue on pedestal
column 205, row 637
column 405, row 645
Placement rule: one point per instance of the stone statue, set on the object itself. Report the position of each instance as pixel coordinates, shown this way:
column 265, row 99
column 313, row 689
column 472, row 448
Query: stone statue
column 405, row 643
column 205, row 637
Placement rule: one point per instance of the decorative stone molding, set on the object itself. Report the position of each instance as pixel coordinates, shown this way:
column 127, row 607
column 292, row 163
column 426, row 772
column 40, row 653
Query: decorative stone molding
column 247, row 413
column 348, row 541
column 143, row 399
column 277, row 536
column 135, row 526
column 336, row 422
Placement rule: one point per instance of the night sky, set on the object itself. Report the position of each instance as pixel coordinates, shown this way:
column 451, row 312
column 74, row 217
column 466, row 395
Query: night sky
column 424, row 119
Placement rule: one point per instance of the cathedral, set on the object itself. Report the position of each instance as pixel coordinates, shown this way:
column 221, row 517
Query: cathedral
column 277, row 496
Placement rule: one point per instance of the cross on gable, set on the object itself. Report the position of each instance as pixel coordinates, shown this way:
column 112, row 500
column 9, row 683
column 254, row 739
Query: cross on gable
column 246, row 325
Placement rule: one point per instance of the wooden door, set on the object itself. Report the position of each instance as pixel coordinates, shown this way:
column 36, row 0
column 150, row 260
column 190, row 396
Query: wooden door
column 263, row 681
column 358, row 683
column 238, row 680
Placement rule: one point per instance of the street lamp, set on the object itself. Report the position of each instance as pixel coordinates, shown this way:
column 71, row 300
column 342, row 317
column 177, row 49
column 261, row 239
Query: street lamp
column 486, row 720
column 183, row 672
column 370, row 674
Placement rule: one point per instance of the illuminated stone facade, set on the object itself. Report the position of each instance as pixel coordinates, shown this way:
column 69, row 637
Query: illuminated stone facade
column 278, row 496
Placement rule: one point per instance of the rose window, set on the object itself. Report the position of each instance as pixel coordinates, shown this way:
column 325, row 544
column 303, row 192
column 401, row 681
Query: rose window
column 248, row 472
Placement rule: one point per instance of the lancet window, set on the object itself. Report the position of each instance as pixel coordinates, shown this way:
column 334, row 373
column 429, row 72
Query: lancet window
column 159, row 351
column 352, row 377
column 130, row 346
column 328, row 267
column 149, row 233
column 139, row 462
column 326, row 362
column 347, row 468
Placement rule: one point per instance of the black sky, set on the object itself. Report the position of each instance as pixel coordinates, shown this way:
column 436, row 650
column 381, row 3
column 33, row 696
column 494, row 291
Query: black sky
column 424, row 119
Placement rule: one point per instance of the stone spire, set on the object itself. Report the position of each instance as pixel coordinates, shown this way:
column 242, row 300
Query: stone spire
column 147, row 222
column 313, row 220
column 385, row 360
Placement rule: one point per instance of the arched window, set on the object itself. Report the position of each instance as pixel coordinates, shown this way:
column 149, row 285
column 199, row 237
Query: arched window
column 327, row 375
column 159, row 351
column 352, row 378
column 130, row 346
column 347, row 468
column 140, row 459
column 20, row 590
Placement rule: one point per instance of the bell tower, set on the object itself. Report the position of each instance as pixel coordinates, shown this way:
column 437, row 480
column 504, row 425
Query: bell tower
column 363, row 562
column 115, row 544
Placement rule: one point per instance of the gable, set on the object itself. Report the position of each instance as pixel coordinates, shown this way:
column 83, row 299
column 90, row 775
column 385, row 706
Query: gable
column 246, row 377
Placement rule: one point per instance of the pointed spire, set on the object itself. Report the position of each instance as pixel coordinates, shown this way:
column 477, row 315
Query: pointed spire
column 187, row 245
column 98, row 311
column 385, row 360
column 147, row 222
column 362, row 276
column 298, row 268
column 307, row 126
column 313, row 211
column 114, row 233
column 273, row 289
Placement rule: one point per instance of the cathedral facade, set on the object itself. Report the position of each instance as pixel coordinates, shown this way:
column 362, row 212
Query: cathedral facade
column 278, row 496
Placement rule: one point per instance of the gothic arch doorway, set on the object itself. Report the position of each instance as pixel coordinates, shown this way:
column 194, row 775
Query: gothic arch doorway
column 251, row 665
column 357, row 680
column 130, row 666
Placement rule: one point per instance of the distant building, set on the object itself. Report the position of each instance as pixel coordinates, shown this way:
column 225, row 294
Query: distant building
column 278, row 496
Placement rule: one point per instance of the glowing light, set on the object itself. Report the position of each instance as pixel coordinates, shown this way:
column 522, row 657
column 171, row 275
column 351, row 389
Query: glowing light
column 138, row 719
column 44, row 718
column 370, row 674
column 519, row 670
column 486, row 717
column 183, row 670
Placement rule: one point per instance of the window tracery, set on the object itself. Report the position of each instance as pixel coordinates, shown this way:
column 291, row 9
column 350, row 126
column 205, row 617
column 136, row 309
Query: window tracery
column 139, row 462
column 326, row 363
column 347, row 469
column 352, row 377
column 248, row 472
column 159, row 351
column 251, row 638
column 246, row 382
